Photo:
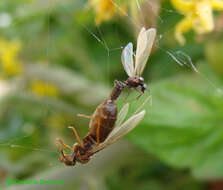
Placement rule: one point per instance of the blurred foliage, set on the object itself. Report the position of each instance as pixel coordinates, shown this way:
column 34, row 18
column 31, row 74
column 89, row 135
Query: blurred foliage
column 10, row 65
column 184, row 125
column 55, row 63
column 147, row 173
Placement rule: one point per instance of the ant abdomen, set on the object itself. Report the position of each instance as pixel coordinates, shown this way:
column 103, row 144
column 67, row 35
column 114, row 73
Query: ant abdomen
column 103, row 121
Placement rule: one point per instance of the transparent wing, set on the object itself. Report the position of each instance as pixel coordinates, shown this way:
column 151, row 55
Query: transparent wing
column 122, row 114
column 144, row 46
column 121, row 131
column 127, row 59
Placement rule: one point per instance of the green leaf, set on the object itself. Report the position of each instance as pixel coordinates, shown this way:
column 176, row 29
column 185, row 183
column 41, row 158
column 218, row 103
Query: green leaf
column 184, row 126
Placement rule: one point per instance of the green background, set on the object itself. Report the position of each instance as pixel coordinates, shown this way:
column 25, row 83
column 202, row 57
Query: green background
column 179, row 143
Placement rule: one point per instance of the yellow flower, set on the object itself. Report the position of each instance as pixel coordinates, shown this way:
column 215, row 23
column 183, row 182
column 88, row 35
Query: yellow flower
column 198, row 15
column 41, row 88
column 10, row 65
column 104, row 9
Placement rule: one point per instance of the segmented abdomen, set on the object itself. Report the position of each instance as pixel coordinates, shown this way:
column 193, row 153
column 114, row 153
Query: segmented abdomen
column 103, row 121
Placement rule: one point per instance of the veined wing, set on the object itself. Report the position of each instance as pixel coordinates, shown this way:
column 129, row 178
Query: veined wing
column 127, row 59
column 144, row 46
column 121, row 130
column 122, row 114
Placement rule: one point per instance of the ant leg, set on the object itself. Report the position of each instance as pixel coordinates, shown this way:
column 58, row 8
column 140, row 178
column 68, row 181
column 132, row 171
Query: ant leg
column 141, row 93
column 63, row 154
column 60, row 149
column 63, row 144
column 77, row 136
column 98, row 131
column 85, row 116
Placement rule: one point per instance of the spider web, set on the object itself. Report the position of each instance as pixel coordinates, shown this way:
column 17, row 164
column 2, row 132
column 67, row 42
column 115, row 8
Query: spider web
column 181, row 58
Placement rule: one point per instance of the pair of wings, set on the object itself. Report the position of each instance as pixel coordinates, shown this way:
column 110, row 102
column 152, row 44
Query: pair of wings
column 144, row 46
column 121, row 129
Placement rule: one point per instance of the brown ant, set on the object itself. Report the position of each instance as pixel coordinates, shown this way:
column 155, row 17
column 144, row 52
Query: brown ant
column 101, row 127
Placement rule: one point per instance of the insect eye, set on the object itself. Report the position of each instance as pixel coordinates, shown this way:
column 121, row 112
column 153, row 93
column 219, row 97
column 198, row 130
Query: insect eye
column 141, row 79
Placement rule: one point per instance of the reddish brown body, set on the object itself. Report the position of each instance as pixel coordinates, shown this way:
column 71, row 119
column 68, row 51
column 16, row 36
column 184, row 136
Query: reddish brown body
column 104, row 116
column 101, row 124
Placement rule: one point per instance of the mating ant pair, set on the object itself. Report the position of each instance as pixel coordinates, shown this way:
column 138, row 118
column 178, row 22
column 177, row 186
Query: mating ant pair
column 106, row 125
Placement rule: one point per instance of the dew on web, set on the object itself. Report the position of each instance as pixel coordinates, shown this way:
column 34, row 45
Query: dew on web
column 116, row 49
column 187, row 61
column 125, row 14
column 105, row 43
column 179, row 52
column 174, row 58
column 119, row 8
column 94, row 35
column 218, row 90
